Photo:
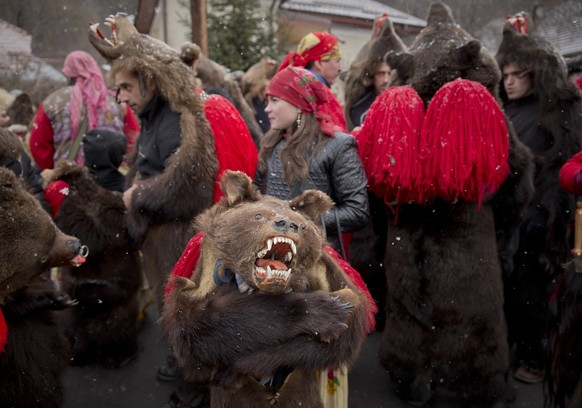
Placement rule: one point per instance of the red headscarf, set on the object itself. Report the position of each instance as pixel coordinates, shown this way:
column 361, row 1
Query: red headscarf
column 89, row 89
column 314, row 46
column 300, row 88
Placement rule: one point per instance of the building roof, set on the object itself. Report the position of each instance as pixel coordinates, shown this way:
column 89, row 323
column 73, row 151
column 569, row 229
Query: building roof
column 357, row 9
column 14, row 43
column 560, row 25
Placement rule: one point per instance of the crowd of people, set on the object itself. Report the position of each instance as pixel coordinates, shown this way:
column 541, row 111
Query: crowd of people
column 163, row 138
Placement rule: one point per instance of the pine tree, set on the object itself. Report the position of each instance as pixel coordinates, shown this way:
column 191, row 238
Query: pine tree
column 238, row 33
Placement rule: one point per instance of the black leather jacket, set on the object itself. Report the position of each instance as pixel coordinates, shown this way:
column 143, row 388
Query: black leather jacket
column 337, row 171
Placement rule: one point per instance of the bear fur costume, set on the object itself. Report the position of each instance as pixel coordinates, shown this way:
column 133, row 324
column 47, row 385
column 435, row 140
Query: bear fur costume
column 103, row 327
column 445, row 324
column 35, row 355
column 163, row 206
column 30, row 242
column 259, row 338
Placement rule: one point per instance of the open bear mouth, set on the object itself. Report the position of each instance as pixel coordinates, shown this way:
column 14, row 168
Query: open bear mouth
column 273, row 261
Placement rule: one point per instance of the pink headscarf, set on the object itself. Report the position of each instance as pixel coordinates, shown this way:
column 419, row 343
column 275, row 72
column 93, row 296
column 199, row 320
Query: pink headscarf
column 89, row 88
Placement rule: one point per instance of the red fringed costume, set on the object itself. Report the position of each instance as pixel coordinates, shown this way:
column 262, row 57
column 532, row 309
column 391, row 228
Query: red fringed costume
column 459, row 150
column 235, row 149
column 390, row 161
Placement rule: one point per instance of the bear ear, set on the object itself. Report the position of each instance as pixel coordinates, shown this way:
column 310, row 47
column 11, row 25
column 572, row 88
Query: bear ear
column 238, row 187
column 312, row 203
column 468, row 53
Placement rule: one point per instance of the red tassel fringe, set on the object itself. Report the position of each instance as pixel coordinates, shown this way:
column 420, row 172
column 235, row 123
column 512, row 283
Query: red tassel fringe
column 388, row 143
column 459, row 150
column 357, row 280
column 235, row 148
column 464, row 144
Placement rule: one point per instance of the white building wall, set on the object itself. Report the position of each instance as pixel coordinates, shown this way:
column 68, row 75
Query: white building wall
column 167, row 25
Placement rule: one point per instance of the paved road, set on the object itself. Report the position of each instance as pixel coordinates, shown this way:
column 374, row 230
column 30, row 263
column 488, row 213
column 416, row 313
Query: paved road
column 135, row 386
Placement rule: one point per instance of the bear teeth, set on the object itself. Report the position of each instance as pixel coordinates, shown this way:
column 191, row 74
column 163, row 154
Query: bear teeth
column 279, row 240
column 274, row 274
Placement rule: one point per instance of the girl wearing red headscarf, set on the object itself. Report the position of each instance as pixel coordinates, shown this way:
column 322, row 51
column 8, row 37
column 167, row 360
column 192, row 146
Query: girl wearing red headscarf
column 61, row 114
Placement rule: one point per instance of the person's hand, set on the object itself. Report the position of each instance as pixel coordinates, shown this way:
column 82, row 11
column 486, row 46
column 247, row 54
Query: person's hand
column 4, row 119
column 127, row 194
column 47, row 176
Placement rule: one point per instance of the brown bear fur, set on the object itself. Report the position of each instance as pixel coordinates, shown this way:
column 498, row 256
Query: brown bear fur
column 103, row 326
column 445, row 324
column 233, row 334
column 443, row 51
column 30, row 242
column 36, row 353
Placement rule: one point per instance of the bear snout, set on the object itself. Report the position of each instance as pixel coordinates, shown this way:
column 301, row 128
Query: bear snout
column 284, row 226
column 74, row 245
column 65, row 248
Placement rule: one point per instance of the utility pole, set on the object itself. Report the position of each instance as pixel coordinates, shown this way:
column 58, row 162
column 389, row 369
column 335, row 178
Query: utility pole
column 146, row 10
column 199, row 28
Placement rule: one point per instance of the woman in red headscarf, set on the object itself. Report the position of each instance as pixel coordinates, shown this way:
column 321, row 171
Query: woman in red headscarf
column 84, row 104
column 303, row 150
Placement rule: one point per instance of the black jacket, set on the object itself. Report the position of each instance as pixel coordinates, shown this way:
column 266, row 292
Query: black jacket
column 360, row 109
column 160, row 137
column 337, row 171
column 525, row 114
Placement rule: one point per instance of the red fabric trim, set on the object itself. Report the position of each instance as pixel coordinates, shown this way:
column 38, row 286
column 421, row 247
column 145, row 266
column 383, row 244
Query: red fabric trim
column 130, row 128
column 568, row 173
column 42, row 140
column 186, row 265
column 235, row 148
column 357, row 280
column 3, row 332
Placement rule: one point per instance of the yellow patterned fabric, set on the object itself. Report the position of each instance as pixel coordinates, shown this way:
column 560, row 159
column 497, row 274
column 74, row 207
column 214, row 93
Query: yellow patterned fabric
column 333, row 386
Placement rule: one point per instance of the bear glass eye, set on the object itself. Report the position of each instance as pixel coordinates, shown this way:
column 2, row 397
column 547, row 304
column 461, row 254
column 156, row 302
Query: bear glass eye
column 258, row 217
column 303, row 225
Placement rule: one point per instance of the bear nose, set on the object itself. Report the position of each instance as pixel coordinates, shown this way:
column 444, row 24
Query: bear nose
column 74, row 245
column 284, row 225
